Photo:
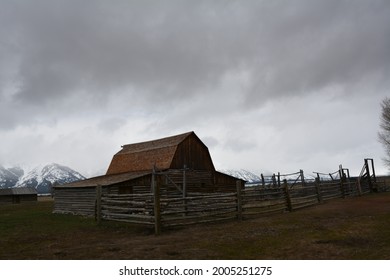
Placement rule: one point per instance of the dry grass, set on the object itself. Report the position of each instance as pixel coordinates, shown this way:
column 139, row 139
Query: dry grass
column 351, row 228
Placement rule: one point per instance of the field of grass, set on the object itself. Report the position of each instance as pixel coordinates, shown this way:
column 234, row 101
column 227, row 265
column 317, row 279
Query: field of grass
column 351, row 228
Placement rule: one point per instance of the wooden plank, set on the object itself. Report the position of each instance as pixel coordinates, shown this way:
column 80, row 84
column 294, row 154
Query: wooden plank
column 99, row 204
column 156, row 196
column 239, row 200
column 200, row 210
column 107, row 214
column 130, row 221
column 125, row 202
column 248, row 194
column 188, row 217
column 265, row 203
column 308, row 197
column 215, row 196
column 125, row 209
column 187, row 223
column 263, row 211
column 287, row 194
column 143, row 195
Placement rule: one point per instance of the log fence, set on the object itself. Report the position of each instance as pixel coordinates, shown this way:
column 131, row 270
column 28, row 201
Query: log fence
column 160, row 209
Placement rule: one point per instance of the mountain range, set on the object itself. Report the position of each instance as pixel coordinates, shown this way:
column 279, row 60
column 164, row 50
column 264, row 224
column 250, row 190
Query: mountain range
column 243, row 174
column 41, row 177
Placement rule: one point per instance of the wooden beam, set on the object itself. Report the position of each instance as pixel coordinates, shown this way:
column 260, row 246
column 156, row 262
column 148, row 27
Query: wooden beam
column 157, row 213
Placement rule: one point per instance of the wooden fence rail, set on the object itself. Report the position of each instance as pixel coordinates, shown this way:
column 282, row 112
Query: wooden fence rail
column 161, row 210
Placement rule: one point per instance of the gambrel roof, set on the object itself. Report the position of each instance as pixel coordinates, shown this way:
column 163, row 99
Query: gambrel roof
column 166, row 153
column 136, row 161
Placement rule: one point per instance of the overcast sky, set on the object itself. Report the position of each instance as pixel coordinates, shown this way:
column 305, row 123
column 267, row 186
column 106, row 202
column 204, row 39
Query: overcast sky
column 268, row 86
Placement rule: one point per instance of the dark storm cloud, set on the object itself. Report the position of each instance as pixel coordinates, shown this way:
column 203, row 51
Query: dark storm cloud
column 76, row 52
column 309, row 46
column 102, row 47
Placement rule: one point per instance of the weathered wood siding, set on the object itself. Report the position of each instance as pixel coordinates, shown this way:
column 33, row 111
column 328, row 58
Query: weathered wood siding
column 199, row 180
column 78, row 201
column 81, row 200
column 14, row 199
column 25, row 198
column 6, row 199
column 193, row 154
column 172, row 180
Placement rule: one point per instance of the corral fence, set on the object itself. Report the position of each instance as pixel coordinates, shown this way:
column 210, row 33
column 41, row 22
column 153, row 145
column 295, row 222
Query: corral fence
column 275, row 194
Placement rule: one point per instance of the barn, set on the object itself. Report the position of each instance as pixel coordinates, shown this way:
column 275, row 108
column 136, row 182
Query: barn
column 18, row 195
column 183, row 162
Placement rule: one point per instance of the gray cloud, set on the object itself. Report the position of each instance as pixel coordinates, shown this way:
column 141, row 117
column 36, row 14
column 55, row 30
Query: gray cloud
column 180, row 65
column 177, row 48
column 112, row 124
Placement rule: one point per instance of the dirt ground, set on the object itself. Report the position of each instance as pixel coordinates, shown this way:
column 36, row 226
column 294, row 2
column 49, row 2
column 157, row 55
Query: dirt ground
column 351, row 228
column 340, row 229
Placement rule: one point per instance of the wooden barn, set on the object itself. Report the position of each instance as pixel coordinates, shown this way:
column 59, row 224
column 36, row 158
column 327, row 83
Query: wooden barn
column 18, row 195
column 183, row 163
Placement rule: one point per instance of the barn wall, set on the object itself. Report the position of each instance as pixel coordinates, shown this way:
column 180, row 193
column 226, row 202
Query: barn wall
column 78, row 201
column 225, row 182
column 201, row 181
column 28, row 198
column 81, row 200
column 13, row 199
column 192, row 153
column 138, row 185
column 6, row 199
column 196, row 181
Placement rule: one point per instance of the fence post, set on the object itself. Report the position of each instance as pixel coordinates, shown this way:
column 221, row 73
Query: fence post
column 184, row 190
column 341, row 173
column 318, row 188
column 371, row 177
column 368, row 175
column 302, row 177
column 156, row 198
column 98, row 212
column 262, row 180
column 373, row 170
column 287, row 194
column 348, row 181
column 239, row 200
column 359, row 187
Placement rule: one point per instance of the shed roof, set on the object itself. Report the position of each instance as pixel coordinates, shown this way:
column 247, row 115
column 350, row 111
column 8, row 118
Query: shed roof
column 18, row 191
column 142, row 156
column 105, row 180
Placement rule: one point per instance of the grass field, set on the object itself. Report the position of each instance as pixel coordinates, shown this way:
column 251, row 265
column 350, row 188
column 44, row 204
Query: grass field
column 351, row 228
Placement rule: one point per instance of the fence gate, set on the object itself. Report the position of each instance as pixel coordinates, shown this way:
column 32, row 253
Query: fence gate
column 366, row 181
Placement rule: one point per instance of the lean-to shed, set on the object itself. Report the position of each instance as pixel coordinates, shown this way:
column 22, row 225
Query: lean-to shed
column 18, row 195
column 182, row 161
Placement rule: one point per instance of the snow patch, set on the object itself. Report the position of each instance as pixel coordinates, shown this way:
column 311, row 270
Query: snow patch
column 41, row 177
column 242, row 174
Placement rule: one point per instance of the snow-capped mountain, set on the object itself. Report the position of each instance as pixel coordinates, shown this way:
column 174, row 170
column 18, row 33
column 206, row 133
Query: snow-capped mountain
column 242, row 174
column 42, row 177
column 10, row 176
